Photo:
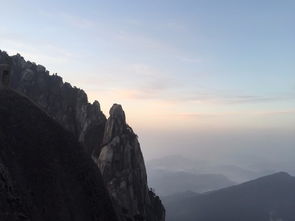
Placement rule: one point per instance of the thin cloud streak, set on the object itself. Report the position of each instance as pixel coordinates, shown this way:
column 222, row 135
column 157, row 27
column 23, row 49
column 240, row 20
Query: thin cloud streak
column 241, row 113
column 160, row 90
column 36, row 53
column 70, row 19
column 189, row 59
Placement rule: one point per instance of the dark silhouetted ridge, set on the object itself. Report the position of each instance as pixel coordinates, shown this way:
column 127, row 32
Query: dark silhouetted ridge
column 44, row 173
column 69, row 106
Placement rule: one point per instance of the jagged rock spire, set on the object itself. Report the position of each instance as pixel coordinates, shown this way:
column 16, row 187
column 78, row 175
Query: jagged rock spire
column 116, row 123
column 122, row 166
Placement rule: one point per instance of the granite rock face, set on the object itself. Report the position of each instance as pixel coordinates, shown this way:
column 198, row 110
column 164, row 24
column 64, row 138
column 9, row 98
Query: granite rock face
column 122, row 166
column 121, row 161
column 66, row 104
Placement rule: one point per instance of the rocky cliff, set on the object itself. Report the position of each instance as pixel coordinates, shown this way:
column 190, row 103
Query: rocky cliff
column 122, row 166
column 44, row 172
column 69, row 106
column 66, row 104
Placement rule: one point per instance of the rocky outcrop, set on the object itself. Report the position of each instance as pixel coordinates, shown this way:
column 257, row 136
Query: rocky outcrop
column 44, row 172
column 66, row 104
column 122, row 166
column 121, row 161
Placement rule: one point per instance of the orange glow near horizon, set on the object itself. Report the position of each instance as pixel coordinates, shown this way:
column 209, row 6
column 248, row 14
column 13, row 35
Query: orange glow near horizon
column 166, row 115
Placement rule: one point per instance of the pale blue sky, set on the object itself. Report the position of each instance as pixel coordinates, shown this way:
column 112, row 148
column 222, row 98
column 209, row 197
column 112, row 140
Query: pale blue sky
column 205, row 64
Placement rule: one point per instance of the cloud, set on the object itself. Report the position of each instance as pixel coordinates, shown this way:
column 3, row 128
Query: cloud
column 176, row 26
column 197, row 115
column 117, row 34
column 140, row 40
column 134, row 94
column 276, row 112
column 70, row 19
column 255, row 99
column 245, row 113
column 77, row 21
column 213, row 97
column 134, row 22
column 142, row 81
column 40, row 52
column 189, row 59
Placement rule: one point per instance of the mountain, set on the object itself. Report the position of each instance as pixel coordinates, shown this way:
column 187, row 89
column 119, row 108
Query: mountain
column 270, row 198
column 126, row 179
column 45, row 174
column 69, row 107
column 66, row 104
column 235, row 173
column 178, row 197
column 175, row 163
column 171, row 182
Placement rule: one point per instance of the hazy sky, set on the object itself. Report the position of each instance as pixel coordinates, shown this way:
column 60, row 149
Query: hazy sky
column 200, row 77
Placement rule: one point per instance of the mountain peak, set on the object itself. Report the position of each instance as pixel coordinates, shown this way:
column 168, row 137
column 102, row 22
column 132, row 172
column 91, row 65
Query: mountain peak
column 276, row 177
column 116, row 124
column 281, row 174
column 122, row 166
column 117, row 112
column 279, row 177
column 69, row 106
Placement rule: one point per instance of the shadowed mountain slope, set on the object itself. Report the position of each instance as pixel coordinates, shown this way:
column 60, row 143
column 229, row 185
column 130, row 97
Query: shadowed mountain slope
column 270, row 198
column 44, row 173
column 69, row 107
column 66, row 104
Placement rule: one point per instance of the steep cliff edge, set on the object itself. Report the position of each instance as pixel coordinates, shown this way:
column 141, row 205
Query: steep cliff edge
column 122, row 166
column 70, row 108
column 44, row 172
column 66, row 104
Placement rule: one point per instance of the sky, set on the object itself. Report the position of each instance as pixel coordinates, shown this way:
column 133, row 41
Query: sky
column 203, row 78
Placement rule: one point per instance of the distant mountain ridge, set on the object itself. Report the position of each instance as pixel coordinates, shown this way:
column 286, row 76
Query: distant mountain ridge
column 268, row 198
column 235, row 173
column 167, row 182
